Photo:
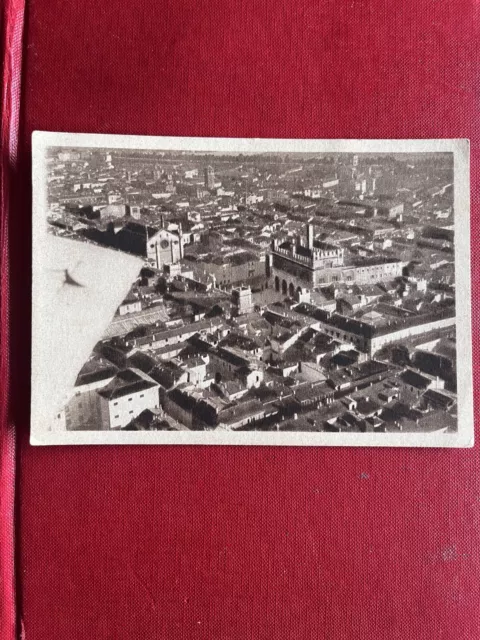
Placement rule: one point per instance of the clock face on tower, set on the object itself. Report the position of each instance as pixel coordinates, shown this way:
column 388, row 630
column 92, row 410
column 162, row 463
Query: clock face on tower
column 164, row 244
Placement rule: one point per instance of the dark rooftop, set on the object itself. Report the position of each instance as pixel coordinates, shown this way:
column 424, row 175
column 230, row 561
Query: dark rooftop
column 95, row 370
column 125, row 383
column 415, row 379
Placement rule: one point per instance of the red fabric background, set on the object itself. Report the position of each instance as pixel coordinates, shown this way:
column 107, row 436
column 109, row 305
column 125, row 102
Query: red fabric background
column 238, row 543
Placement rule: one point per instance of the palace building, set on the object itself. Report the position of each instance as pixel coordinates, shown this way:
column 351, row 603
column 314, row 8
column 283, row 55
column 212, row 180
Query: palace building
column 297, row 264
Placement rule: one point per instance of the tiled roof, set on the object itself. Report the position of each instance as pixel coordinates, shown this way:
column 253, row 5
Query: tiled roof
column 127, row 382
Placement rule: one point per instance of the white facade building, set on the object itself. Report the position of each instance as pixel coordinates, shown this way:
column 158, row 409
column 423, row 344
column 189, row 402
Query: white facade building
column 126, row 396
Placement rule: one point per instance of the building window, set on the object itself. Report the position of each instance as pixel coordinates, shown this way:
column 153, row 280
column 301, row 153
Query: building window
column 141, row 395
column 130, row 412
column 117, row 417
column 115, row 404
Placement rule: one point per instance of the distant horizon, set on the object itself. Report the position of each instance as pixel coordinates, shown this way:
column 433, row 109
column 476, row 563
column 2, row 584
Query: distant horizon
column 233, row 153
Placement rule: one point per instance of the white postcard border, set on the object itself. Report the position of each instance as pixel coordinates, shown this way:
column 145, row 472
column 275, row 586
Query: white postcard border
column 464, row 437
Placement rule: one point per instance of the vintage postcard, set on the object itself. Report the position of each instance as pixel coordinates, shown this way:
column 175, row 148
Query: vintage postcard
column 251, row 291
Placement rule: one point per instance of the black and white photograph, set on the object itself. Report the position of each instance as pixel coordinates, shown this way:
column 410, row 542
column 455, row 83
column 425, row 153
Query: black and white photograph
column 250, row 291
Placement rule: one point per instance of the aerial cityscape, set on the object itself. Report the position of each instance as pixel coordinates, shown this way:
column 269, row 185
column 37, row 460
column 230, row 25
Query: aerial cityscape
column 295, row 292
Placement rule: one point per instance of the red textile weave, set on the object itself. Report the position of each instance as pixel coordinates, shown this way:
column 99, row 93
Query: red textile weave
column 12, row 31
column 244, row 543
